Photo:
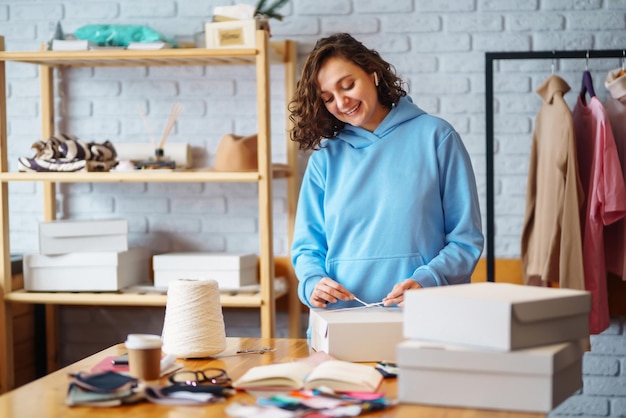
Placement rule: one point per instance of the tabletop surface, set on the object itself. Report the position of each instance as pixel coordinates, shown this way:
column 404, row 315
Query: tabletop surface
column 45, row 397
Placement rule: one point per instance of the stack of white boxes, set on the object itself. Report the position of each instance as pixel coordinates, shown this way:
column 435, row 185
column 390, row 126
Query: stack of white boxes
column 85, row 255
column 231, row 271
column 493, row 346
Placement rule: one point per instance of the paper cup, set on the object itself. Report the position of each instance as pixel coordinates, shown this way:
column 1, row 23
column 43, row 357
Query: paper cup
column 144, row 356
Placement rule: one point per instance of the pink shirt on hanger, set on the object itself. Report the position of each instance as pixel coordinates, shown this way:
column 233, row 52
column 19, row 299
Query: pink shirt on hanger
column 614, row 234
column 605, row 199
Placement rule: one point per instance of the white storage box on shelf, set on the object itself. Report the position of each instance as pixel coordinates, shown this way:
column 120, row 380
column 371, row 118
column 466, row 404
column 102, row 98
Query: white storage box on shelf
column 230, row 271
column 533, row 379
column 501, row 316
column 232, row 33
column 88, row 272
column 359, row 334
column 73, row 236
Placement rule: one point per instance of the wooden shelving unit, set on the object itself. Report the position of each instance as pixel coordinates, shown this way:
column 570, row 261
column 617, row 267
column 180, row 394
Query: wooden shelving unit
column 265, row 52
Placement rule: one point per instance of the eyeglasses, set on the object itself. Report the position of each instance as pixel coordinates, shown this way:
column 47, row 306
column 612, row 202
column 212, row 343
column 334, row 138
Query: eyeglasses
column 211, row 375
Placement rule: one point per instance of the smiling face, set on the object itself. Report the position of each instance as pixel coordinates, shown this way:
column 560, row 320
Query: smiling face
column 349, row 93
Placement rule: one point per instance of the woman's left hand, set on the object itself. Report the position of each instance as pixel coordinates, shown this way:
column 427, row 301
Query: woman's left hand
column 396, row 296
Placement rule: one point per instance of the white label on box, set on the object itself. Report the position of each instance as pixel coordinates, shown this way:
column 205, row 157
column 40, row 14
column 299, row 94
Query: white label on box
column 231, row 34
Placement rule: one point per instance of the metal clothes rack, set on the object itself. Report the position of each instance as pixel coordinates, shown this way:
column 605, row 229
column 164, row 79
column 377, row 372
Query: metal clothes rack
column 490, row 57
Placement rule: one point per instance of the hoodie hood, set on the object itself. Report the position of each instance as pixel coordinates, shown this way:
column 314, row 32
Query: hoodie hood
column 359, row 137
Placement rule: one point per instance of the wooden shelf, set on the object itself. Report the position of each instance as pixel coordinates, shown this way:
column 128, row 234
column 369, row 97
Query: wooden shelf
column 140, row 297
column 144, row 58
column 264, row 54
column 145, row 176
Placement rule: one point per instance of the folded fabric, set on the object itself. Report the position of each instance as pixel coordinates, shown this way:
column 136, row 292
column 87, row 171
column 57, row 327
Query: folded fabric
column 78, row 396
column 107, row 388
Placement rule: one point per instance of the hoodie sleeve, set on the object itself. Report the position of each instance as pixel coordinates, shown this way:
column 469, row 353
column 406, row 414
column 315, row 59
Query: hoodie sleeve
column 309, row 246
column 463, row 227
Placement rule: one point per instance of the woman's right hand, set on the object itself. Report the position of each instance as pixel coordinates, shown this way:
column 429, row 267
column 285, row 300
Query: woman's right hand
column 328, row 291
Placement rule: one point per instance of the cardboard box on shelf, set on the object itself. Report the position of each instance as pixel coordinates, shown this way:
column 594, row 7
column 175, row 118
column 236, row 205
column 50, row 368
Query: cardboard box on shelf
column 532, row 380
column 229, row 270
column 88, row 272
column 73, row 236
column 501, row 316
column 232, row 33
column 357, row 334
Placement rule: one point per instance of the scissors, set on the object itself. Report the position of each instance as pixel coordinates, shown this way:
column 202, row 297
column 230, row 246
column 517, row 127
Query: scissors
column 257, row 350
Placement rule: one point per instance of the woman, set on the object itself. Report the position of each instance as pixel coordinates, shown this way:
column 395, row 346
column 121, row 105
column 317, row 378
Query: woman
column 388, row 201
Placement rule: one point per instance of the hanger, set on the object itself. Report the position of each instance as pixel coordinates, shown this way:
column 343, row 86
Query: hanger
column 623, row 70
column 587, row 86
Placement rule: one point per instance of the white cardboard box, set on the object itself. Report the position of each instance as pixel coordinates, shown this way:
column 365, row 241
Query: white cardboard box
column 76, row 272
column 73, row 236
column 499, row 316
column 357, row 334
column 229, row 270
column 534, row 379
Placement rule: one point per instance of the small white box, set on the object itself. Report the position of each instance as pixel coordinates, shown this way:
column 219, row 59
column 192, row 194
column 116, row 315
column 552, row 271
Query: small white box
column 74, row 236
column 357, row 334
column 231, row 34
column 89, row 272
column 230, row 271
column 534, row 379
column 501, row 316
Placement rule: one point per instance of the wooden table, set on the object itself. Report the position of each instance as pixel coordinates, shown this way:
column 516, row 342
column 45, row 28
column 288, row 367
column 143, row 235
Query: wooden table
column 45, row 397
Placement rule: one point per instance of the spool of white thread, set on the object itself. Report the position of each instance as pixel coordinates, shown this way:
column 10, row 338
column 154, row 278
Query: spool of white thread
column 194, row 323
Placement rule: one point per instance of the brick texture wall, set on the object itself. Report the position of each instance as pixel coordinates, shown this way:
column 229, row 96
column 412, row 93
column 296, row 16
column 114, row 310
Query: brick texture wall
column 437, row 46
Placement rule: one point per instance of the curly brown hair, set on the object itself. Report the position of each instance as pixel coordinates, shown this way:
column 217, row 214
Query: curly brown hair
column 311, row 120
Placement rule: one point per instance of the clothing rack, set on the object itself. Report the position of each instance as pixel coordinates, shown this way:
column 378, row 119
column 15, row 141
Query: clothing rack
column 490, row 57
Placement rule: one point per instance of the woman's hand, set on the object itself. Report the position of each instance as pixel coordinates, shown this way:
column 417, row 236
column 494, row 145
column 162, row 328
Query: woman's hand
column 328, row 291
column 397, row 293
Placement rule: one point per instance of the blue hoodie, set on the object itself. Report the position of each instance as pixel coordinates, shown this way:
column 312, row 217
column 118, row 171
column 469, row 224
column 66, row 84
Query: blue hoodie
column 376, row 208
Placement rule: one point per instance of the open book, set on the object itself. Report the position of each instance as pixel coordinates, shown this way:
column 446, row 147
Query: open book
column 339, row 375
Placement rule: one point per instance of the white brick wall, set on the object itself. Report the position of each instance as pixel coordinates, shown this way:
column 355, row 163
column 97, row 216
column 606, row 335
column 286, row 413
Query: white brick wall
column 437, row 46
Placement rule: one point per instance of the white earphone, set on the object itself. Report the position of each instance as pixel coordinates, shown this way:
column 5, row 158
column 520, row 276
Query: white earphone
column 376, row 79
